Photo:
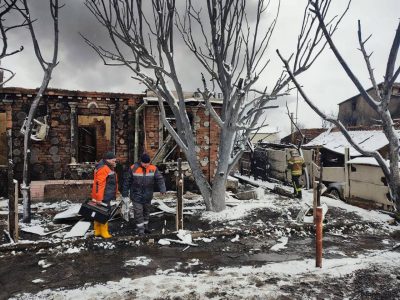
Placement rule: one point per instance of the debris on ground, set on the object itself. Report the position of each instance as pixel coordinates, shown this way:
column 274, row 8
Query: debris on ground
column 257, row 244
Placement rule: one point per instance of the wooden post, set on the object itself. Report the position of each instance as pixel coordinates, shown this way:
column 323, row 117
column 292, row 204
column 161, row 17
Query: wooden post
column 74, row 132
column 13, row 219
column 291, row 128
column 113, row 122
column 318, row 220
column 315, row 185
column 318, row 238
column 321, row 169
column 12, row 192
column 346, row 174
column 179, row 204
column 314, row 199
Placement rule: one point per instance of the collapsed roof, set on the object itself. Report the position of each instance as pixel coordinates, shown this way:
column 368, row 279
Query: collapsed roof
column 336, row 142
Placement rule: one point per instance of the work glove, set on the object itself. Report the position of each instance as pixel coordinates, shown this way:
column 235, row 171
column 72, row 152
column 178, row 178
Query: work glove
column 125, row 208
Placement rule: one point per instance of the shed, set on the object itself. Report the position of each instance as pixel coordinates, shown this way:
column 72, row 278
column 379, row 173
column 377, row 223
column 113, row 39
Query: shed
column 367, row 183
column 332, row 145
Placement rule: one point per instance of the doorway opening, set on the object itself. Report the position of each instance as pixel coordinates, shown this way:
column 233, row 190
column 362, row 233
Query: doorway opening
column 94, row 137
column 86, row 144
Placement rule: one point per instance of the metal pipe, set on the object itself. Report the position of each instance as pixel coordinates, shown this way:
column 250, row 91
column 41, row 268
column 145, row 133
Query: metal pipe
column 136, row 147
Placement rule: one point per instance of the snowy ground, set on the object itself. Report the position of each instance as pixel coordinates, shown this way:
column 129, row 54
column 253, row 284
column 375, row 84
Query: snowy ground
column 271, row 257
column 234, row 283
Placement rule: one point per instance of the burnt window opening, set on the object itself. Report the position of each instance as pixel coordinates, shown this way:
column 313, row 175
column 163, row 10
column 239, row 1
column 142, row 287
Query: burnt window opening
column 3, row 139
column 353, row 169
column 172, row 120
column 171, row 151
column 353, row 121
column 94, row 137
column 353, row 104
column 41, row 111
column 191, row 117
column 87, row 144
column 169, row 147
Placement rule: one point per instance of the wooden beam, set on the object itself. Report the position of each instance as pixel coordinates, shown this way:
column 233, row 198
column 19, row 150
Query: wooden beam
column 179, row 205
column 12, row 192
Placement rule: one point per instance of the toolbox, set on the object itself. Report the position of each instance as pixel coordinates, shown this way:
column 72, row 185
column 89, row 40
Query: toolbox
column 96, row 211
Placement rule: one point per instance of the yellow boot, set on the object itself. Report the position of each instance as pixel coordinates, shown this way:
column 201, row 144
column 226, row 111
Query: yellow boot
column 97, row 228
column 104, row 231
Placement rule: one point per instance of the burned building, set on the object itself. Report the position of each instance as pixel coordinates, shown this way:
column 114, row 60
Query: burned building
column 306, row 135
column 355, row 111
column 73, row 129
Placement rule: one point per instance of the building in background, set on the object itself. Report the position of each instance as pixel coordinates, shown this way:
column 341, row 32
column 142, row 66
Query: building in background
column 266, row 135
column 296, row 137
column 355, row 111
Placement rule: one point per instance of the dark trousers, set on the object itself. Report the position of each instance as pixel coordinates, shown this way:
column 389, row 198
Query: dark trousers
column 142, row 214
column 296, row 186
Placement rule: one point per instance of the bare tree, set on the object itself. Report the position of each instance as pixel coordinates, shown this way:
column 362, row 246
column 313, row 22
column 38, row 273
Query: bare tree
column 48, row 67
column 379, row 105
column 232, row 52
column 6, row 9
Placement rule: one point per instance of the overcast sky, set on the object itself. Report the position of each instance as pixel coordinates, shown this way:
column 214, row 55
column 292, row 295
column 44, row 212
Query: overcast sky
column 326, row 83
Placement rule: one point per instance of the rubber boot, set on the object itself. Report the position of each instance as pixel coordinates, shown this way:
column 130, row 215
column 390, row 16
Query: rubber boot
column 146, row 229
column 104, row 231
column 299, row 194
column 97, row 228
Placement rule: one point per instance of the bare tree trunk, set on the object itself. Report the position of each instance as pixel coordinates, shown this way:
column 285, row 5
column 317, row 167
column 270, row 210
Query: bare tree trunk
column 219, row 193
column 222, row 173
column 200, row 179
column 48, row 68
column 394, row 178
column 25, row 185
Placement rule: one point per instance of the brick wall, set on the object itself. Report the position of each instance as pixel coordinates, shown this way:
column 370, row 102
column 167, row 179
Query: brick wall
column 50, row 158
column 206, row 134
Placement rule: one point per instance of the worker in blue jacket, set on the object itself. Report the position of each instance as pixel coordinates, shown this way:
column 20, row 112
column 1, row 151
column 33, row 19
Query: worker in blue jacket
column 139, row 186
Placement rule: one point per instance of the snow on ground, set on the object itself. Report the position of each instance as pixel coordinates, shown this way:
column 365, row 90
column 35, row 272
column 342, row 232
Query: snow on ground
column 237, row 283
column 138, row 261
column 241, row 282
column 282, row 244
column 239, row 211
column 366, row 215
column 73, row 250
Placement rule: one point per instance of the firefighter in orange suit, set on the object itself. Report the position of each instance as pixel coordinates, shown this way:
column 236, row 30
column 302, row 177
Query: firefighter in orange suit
column 105, row 188
column 296, row 165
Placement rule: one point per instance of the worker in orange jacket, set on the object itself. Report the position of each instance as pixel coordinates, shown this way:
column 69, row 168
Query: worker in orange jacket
column 105, row 188
column 296, row 165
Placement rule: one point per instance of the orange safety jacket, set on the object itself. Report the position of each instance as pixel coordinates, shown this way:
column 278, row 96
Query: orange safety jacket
column 296, row 165
column 139, row 184
column 105, row 183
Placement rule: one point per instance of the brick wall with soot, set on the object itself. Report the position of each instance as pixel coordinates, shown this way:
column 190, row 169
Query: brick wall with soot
column 50, row 158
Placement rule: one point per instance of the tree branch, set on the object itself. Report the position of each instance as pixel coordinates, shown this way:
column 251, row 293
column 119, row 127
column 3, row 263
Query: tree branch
column 339, row 124
column 367, row 61
column 373, row 103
